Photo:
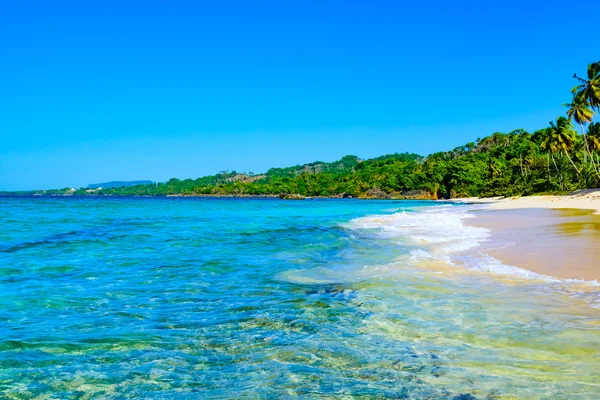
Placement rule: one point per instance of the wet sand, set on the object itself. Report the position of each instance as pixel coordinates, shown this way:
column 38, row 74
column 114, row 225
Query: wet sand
column 563, row 243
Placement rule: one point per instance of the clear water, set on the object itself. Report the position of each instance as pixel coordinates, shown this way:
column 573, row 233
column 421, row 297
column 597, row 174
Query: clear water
column 236, row 298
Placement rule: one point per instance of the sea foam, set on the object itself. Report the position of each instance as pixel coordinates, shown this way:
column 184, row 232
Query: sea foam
column 440, row 234
column 439, row 229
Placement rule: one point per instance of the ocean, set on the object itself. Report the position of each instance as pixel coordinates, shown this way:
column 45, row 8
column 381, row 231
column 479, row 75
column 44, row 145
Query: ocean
column 187, row 298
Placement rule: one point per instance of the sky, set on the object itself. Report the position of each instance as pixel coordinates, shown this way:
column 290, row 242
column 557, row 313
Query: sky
column 100, row 91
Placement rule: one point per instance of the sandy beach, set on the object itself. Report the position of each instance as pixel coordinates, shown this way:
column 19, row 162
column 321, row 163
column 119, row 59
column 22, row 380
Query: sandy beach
column 588, row 199
column 557, row 236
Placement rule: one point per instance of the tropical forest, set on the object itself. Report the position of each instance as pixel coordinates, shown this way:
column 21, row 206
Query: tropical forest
column 562, row 156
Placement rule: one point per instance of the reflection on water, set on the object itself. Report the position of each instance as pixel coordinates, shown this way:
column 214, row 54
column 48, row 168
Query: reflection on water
column 195, row 298
column 578, row 222
column 563, row 243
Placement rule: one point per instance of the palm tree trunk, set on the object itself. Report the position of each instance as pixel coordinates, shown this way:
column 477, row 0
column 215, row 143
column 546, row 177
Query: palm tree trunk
column 587, row 147
column 574, row 166
column 521, row 163
column 558, row 172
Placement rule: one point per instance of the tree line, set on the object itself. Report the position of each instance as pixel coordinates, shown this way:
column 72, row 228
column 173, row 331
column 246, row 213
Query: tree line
column 552, row 159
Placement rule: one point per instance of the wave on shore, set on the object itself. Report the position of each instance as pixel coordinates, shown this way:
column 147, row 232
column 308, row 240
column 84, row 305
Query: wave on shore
column 433, row 237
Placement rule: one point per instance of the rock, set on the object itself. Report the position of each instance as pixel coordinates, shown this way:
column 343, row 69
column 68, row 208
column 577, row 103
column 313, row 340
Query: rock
column 465, row 397
column 415, row 195
column 403, row 394
column 286, row 196
column 377, row 193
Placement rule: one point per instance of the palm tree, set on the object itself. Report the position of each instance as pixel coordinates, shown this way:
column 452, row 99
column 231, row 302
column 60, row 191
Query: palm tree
column 589, row 89
column 559, row 137
column 495, row 169
column 528, row 161
column 580, row 111
column 593, row 132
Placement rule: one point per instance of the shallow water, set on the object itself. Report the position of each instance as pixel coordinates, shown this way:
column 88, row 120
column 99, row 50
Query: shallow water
column 229, row 298
column 563, row 243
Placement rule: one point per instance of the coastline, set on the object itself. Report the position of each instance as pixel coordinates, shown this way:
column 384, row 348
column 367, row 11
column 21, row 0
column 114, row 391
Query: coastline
column 241, row 195
column 556, row 236
column 588, row 199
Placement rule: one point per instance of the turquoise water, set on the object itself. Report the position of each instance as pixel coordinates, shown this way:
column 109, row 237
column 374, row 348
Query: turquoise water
column 229, row 298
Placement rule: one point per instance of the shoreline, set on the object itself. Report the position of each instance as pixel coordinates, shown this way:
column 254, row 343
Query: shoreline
column 588, row 199
column 555, row 236
column 249, row 196
column 585, row 199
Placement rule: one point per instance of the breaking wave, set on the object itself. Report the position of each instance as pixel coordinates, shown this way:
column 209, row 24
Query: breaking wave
column 439, row 233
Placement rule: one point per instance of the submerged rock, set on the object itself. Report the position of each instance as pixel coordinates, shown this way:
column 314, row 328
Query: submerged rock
column 403, row 394
column 437, row 371
column 466, row 396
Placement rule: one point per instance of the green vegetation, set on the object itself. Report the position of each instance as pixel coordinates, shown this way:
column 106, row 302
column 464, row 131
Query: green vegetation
column 553, row 159
column 116, row 184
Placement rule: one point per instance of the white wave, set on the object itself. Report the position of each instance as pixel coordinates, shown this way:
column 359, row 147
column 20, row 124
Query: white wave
column 437, row 234
column 441, row 235
column 484, row 263
column 442, row 225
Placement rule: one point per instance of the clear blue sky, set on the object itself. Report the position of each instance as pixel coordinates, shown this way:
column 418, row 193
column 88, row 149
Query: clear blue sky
column 98, row 91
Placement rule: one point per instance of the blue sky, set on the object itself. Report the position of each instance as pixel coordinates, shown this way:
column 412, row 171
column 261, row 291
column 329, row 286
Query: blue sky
column 154, row 90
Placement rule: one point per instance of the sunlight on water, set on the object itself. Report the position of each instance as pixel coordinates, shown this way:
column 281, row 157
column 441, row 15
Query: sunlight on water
column 189, row 298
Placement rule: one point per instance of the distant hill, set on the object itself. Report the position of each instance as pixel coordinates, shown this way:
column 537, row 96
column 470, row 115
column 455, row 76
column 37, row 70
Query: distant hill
column 118, row 184
column 399, row 156
column 346, row 164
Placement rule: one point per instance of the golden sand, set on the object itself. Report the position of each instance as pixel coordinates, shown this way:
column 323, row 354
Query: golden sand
column 563, row 243
column 587, row 199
